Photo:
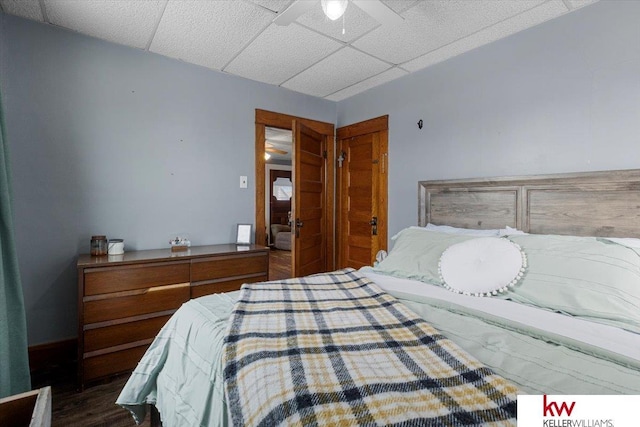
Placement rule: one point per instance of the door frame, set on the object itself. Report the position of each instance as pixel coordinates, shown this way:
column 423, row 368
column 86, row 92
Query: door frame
column 265, row 119
column 381, row 125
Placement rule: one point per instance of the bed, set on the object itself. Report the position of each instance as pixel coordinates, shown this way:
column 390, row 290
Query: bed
column 567, row 322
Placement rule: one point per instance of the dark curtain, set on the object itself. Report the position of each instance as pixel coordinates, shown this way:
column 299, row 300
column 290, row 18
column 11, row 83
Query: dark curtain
column 14, row 359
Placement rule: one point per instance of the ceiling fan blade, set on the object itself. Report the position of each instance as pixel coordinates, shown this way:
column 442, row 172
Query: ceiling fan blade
column 275, row 150
column 292, row 13
column 379, row 11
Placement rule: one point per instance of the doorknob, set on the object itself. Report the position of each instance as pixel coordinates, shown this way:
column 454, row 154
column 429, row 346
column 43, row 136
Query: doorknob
column 299, row 225
column 374, row 225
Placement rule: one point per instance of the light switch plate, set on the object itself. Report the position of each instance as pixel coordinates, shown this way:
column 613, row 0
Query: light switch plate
column 243, row 182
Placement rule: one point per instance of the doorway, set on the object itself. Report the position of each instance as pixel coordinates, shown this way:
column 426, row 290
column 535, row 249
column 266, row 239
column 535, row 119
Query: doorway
column 314, row 143
column 279, row 192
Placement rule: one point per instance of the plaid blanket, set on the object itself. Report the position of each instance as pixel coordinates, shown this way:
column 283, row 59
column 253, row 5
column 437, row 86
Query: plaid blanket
column 334, row 349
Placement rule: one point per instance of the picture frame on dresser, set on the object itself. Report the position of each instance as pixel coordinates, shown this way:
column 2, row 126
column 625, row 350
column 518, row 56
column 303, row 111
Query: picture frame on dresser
column 243, row 234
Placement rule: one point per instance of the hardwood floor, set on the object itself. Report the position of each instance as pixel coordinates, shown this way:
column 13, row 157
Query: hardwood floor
column 279, row 264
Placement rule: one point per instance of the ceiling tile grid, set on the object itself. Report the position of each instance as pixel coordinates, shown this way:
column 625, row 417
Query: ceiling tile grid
column 529, row 18
column 29, row 9
column 208, row 33
column 431, row 24
column 371, row 82
column 400, row 6
column 310, row 55
column 575, row 4
column 273, row 5
column 124, row 22
column 342, row 69
column 274, row 56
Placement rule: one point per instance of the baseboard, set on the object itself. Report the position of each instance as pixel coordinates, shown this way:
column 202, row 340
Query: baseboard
column 46, row 356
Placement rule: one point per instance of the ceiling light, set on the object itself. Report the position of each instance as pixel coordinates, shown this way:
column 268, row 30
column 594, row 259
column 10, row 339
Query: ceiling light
column 334, row 9
column 267, row 156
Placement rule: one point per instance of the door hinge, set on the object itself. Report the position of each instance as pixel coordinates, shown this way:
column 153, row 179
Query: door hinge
column 324, row 154
column 341, row 158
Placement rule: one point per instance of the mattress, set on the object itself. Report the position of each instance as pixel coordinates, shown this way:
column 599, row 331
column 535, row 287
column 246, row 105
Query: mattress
column 541, row 351
column 538, row 350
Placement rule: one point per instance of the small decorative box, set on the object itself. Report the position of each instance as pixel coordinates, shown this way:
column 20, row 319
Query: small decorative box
column 179, row 244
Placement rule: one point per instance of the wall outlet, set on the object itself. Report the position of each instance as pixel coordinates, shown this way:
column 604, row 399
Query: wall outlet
column 243, row 182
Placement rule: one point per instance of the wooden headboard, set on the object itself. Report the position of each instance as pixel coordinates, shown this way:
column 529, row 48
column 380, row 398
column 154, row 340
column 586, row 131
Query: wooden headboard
column 580, row 204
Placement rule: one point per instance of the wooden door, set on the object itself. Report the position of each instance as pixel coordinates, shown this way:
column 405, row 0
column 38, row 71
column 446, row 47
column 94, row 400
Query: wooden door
column 309, row 204
column 362, row 189
column 284, row 121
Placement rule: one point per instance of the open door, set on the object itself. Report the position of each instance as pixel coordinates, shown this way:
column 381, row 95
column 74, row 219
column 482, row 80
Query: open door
column 362, row 192
column 309, row 201
column 317, row 175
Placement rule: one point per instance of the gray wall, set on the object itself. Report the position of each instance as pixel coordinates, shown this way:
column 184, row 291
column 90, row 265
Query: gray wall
column 560, row 97
column 106, row 139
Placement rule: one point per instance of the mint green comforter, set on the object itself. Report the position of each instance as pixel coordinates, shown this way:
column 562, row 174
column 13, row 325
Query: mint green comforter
column 536, row 361
column 181, row 373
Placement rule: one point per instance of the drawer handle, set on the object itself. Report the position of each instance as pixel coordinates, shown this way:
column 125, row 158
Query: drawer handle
column 167, row 287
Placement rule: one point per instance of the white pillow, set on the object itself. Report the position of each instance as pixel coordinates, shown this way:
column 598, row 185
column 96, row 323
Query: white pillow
column 467, row 231
column 482, row 267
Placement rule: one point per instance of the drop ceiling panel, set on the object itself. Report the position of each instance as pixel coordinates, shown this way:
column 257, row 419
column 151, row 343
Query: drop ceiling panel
column 125, row 22
column 340, row 70
column 502, row 29
column 280, row 53
column 400, row 6
column 208, row 33
column 432, row 24
column 29, row 9
column 369, row 83
column 310, row 56
column 273, row 5
column 575, row 4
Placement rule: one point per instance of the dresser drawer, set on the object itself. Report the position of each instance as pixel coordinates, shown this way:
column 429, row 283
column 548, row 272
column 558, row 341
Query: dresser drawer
column 228, row 266
column 114, row 335
column 207, row 288
column 125, row 301
column 112, row 363
column 116, row 279
column 128, row 304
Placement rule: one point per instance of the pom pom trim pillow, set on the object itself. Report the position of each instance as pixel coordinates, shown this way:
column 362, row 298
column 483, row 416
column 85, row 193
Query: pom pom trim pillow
column 482, row 267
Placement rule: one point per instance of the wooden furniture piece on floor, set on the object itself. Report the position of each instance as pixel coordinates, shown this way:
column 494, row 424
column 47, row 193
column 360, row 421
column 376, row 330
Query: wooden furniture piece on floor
column 124, row 300
column 32, row 409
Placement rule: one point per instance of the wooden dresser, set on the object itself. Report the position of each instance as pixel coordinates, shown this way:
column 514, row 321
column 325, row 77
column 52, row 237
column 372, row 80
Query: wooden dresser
column 124, row 300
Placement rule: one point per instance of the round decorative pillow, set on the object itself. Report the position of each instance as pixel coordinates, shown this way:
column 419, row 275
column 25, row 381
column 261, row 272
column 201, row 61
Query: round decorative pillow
column 482, row 267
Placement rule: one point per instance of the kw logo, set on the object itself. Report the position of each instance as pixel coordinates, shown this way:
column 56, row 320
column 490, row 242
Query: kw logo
column 548, row 408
